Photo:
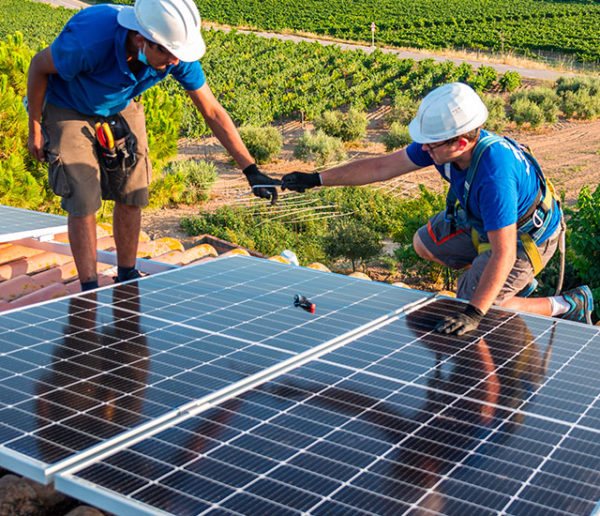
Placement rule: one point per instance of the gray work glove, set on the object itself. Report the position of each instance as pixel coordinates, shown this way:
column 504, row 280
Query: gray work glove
column 300, row 181
column 462, row 322
column 256, row 177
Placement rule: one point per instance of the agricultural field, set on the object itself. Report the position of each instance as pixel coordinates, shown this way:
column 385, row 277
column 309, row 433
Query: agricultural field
column 523, row 26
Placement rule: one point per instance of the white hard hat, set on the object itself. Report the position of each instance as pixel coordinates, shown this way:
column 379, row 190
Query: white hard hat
column 174, row 24
column 448, row 111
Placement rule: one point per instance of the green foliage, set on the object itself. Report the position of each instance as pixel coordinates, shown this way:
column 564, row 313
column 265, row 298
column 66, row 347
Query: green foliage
column 485, row 79
column 546, row 99
column 580, row 97
column 397, row 137
column 163, row 121
column 510, row 81
column 584, row 226
column 262, row 142
column 320, row 148
column 403, row 110
column 497, row 113
column 352, row 240
column 348, row 126
column 23, row 181
column 185, row 181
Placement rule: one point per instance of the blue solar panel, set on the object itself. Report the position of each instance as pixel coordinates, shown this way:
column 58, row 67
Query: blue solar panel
column 17, row 223
column 400, row 420
column 78, row 372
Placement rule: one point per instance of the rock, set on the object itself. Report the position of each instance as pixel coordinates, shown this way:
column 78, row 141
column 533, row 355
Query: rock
column 18, row 497
column 85, row 510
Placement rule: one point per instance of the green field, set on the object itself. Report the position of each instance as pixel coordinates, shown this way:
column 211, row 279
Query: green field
column 524, row 26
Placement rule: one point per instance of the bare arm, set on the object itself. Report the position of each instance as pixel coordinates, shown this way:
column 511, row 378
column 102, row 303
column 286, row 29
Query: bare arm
column 221, row 125
column 495, row 273
column 369, row 170
column 42, row 65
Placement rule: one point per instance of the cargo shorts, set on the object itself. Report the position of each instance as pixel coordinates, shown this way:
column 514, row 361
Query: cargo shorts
column 454, row 247
column 73, row 168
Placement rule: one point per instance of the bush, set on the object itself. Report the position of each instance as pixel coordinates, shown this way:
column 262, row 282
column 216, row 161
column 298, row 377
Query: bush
column 397, row 137
column 353, row 241
column 584, row 226
column 525, row 111
column 497, row 113
column 348, row 127
column 404, row 109
column 262, row 142
column 545, row 98
column 510, row 81
column 186, row 181
column 484, row 80
column 320, row 147
column 575, row 84
column 580, row 104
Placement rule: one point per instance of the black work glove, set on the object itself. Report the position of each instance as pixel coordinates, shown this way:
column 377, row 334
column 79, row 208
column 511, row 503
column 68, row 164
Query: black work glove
column 256, row 177
column 300, row 181
column 461, row 322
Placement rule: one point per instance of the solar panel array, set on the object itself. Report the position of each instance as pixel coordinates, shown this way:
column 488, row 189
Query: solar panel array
column 205, row 391
column 17, row 223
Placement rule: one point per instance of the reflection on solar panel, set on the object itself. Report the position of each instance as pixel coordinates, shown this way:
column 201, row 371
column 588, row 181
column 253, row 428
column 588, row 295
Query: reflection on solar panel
column 16, row 223
column 203, row 390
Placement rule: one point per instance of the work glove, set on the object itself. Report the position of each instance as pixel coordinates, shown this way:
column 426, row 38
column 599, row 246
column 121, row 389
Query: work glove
column 460, row 323
column 299, row 181
column 256, row 177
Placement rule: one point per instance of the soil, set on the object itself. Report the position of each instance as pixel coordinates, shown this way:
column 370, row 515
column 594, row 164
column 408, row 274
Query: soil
column 568, row 153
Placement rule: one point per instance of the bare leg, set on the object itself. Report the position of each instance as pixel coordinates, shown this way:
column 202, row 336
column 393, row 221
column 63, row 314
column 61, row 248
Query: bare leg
column 534, row 305
column 82, row 237
column 127, row 221
column 422, row 251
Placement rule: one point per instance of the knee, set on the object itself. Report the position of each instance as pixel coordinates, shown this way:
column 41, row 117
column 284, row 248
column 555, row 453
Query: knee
column 420, row 248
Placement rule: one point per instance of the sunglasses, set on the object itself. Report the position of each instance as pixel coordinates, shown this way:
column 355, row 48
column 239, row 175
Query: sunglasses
column 441, row 144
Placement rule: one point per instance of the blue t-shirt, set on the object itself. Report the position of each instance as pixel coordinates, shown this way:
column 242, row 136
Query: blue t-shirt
column 504, row 187
column 93, row 76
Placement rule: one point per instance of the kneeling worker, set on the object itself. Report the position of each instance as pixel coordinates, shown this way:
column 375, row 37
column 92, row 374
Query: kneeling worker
column 506, row 223
column 84, row 121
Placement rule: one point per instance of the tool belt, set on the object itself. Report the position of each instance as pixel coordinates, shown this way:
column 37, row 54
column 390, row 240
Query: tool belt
column 530, row 226
column 116, row 148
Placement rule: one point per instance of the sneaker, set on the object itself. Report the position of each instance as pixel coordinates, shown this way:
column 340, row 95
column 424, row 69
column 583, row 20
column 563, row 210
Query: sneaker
column 131, row 275
column 582, row 304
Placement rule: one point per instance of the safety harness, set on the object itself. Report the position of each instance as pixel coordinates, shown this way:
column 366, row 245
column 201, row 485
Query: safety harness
column 531, row 225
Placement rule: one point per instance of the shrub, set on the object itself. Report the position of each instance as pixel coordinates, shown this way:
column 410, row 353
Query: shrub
column 525, row 111
column 186, row 181
column 348, row 127
column 584, row 225
column 510, row 81
column 545, row 98
column 262, row 142
column 320, row 147
column 404, row 109
column 497, row 113
column 397, row 137
column 580, row 104
column 353, row 241
column 574, row 84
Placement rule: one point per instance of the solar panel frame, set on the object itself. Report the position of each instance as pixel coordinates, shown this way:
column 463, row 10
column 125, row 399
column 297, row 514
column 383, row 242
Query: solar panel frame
column 18, row 223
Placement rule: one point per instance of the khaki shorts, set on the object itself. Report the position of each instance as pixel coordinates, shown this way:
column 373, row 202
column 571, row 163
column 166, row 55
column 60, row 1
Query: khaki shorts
column 73, row 169
column 456, row 250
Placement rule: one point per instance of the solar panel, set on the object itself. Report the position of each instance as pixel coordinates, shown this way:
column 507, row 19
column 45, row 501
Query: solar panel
column 398, row 420
column 17, row 223
column 79, row 374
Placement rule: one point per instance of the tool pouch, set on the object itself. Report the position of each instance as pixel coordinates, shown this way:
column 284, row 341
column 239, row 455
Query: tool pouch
column 116, row 163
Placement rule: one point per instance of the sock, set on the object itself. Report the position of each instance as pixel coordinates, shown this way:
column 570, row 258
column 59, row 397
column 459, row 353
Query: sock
column 89, row 285
column 123, row 272
column 559, row 305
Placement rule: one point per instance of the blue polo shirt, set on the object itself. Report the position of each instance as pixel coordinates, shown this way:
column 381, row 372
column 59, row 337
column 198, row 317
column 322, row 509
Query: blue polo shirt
column 93, row 76
column 504, row 187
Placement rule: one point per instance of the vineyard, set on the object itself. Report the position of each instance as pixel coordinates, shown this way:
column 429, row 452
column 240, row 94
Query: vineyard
column 522, row 26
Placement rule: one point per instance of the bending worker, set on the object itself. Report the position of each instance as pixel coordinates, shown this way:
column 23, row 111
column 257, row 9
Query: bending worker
column 506, row 224
column 84, row 121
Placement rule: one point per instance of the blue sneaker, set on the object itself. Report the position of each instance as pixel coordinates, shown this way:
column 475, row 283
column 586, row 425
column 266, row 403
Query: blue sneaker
column 582, row 304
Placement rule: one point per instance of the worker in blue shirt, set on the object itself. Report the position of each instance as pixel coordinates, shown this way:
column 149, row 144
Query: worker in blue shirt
column 84, row 121
column 502, row 221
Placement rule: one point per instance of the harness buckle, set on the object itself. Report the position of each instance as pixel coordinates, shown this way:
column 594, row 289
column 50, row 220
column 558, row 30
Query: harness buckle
column 537, row 219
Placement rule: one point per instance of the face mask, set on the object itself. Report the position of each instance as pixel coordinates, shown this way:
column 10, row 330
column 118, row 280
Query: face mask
column 142, row 55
